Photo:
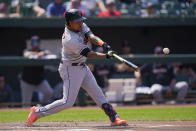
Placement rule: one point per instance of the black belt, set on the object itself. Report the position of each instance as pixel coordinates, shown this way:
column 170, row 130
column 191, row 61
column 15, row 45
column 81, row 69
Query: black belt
column 78, row 64
column 75, row 64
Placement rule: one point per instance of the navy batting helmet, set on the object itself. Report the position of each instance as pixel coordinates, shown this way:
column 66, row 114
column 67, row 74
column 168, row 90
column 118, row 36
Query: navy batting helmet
column 74, row 15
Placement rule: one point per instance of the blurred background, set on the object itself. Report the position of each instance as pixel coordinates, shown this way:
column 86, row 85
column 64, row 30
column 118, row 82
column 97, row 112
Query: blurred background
column 137, row 29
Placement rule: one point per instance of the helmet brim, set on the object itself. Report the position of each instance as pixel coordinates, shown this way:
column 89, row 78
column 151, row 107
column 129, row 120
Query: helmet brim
column 80, row 19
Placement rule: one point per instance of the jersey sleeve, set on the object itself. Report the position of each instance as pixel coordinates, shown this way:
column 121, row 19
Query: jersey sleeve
column 77, row 47
column 49, row 10
column 85, row 29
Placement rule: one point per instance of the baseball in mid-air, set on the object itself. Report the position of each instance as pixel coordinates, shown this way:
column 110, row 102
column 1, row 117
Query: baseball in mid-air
column 166, row 51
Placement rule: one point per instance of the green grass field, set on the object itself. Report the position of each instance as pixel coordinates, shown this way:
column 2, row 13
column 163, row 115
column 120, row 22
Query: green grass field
column 150, row 114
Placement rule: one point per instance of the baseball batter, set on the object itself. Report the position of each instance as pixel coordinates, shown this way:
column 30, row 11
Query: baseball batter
column 75, row 73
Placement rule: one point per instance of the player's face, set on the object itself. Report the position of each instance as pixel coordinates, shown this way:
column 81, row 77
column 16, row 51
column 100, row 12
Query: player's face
column 35, row 48
column 76, row 26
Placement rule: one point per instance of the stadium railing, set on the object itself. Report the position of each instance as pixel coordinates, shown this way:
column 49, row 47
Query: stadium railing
column 12, row 61
column 138, row 59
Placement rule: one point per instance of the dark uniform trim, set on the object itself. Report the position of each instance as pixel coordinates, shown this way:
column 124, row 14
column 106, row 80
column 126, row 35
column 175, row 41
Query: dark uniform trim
column 87, row 34
column 85, row 51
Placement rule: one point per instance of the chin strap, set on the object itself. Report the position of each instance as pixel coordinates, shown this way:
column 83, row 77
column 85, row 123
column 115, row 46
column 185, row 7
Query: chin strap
column 109, row 111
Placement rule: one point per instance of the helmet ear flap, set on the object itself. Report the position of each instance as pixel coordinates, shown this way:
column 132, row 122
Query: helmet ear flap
column 67, row 22
column 66, row 18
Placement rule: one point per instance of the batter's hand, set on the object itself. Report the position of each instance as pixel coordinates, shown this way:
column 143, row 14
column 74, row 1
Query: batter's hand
column 106, row 46
column 109, row 54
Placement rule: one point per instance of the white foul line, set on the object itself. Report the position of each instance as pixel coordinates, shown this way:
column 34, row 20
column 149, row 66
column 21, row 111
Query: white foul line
column 160, row 126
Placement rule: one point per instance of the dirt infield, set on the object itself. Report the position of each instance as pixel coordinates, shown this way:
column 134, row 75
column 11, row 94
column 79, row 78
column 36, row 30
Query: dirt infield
column 103, row 126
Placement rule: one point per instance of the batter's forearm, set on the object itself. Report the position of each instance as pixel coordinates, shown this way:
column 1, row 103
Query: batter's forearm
column 95, row 40
column 96, row 55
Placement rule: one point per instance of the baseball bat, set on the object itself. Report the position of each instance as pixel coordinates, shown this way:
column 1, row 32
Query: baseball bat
column 130, row 64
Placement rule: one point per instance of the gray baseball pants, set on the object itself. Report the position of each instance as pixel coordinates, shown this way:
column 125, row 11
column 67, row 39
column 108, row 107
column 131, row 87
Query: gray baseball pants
column 180, row 87
column 73, row 78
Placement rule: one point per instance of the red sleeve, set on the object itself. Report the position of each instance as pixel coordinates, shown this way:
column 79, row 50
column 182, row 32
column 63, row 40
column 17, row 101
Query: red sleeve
column 101, row 14
column 117, row 13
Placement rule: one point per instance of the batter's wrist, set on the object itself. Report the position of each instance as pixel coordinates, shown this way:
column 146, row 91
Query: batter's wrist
column 108, row 56
column 100, row 43
column 106, row 46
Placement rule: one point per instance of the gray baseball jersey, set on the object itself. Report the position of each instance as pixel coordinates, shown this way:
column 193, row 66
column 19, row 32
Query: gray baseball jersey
column 73, row 77
column 73, row 43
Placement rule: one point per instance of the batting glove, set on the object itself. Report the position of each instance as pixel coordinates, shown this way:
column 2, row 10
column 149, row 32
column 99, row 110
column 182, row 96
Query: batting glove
column 109, row 54
column 106, row 46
